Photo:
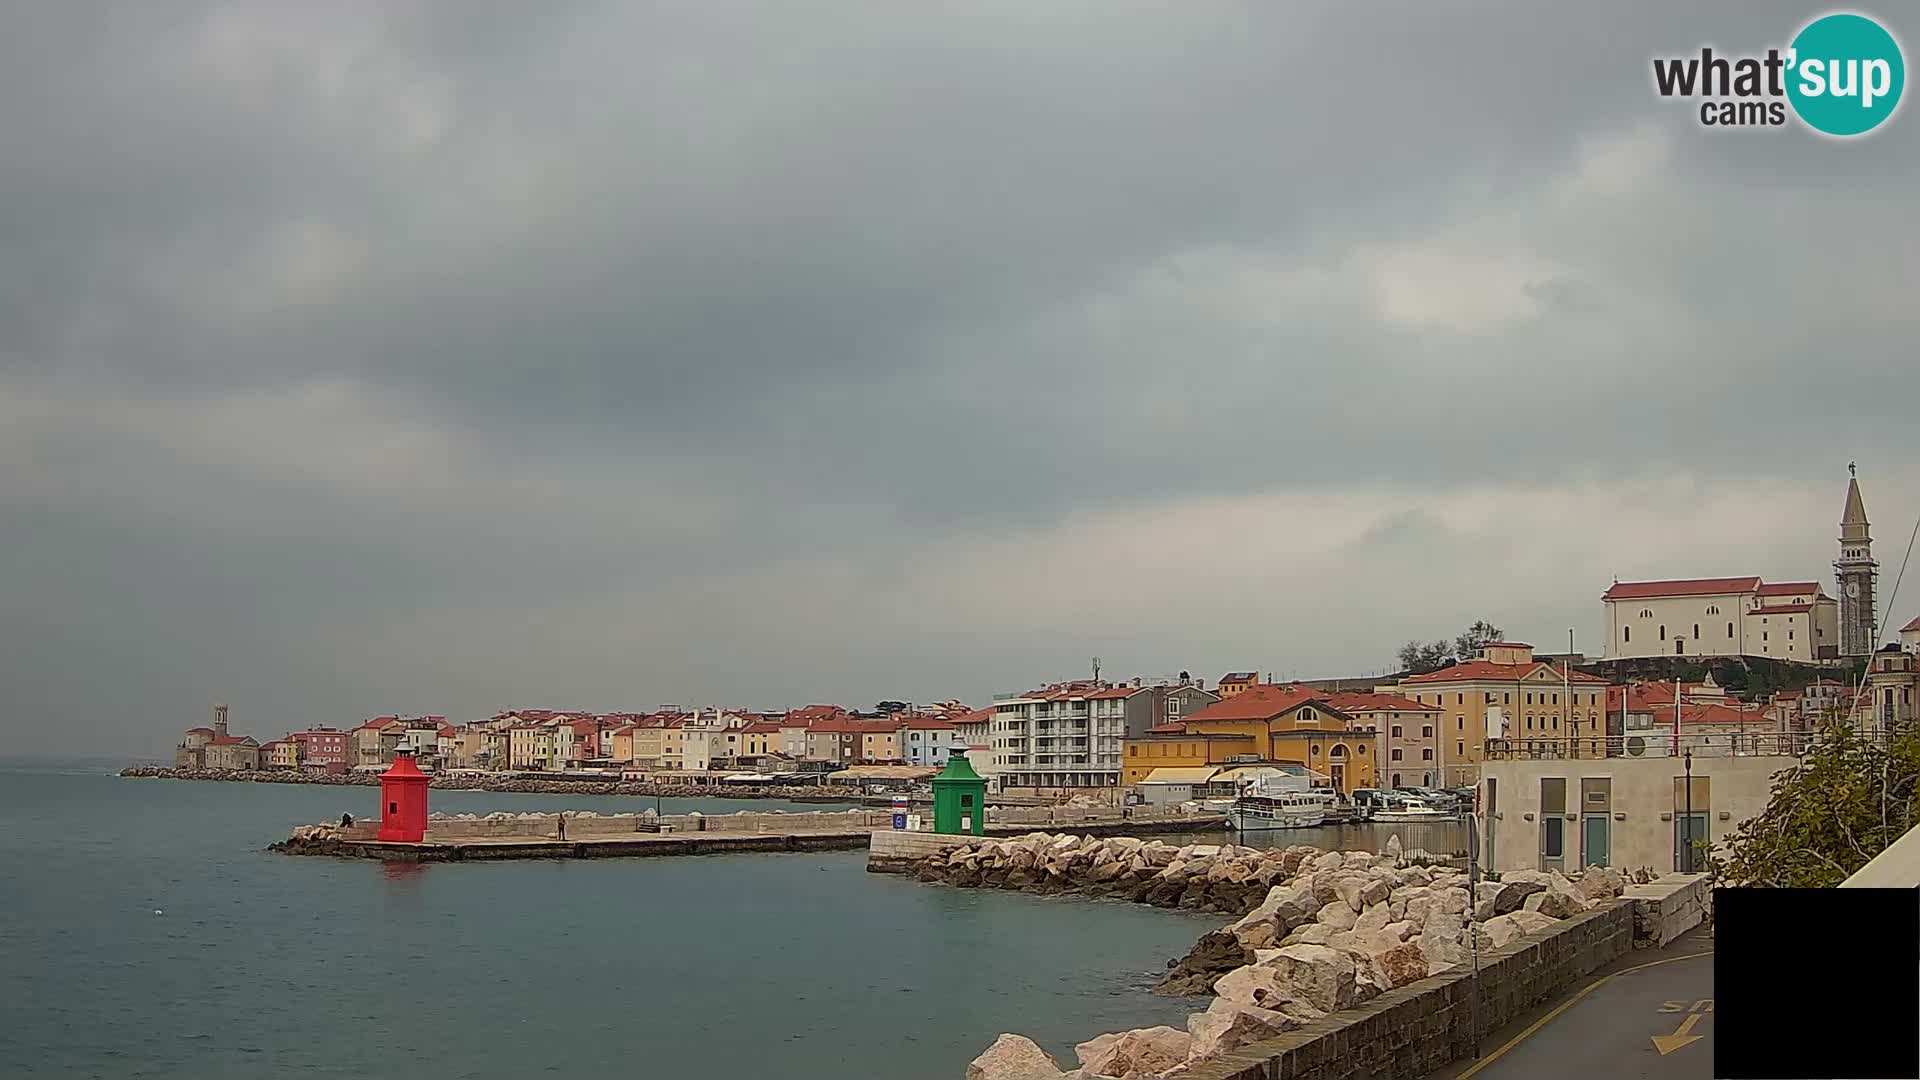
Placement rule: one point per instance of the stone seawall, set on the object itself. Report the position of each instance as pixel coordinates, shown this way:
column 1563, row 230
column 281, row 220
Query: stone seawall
column 1412, row 1031
column 1346, row 964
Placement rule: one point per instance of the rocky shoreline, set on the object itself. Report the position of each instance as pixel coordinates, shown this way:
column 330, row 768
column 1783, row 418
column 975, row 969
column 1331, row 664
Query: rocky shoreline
column 506, row 785
column 1319, row 932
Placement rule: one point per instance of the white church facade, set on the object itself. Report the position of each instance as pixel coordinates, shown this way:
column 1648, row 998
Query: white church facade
column 1746, row 616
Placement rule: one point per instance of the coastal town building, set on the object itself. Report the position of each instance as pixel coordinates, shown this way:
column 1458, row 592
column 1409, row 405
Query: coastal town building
column 1233, row 683
column 1707, row 617
column 1262, row 724
column 322, row 748
column 280, row 754
column 1567, row 813
column 1070, row 735
column 1504, row 693
column 1406, row 734
column 1910, row 636
column 930, row 741
column 1891, row 698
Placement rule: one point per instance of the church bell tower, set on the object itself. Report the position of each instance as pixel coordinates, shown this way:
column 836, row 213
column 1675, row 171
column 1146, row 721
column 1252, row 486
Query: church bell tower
column 1854, row 572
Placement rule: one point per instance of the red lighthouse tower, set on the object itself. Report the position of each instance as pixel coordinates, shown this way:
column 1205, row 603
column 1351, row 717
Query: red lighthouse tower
column 403, row 800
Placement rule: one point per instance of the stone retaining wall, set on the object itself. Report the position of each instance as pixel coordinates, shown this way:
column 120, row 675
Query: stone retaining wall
column 1416, row 1029
column 1668, row 907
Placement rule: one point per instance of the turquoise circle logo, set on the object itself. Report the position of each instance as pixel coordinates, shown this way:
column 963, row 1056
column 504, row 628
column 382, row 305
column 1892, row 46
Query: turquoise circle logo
column 1847, row 74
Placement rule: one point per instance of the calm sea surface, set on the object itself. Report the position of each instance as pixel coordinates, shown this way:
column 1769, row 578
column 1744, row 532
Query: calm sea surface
column 145, row 933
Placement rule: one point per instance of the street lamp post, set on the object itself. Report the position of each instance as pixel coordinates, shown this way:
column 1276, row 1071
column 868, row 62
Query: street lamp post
column 1688, row 833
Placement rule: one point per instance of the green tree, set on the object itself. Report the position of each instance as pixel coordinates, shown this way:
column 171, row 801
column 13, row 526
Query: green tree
column 1418, row 658
column 1841, row 805
column 1476, row 637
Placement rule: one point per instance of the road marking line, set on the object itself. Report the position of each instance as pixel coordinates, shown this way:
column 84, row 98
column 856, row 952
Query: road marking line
column 1667, row 1044
column 1568, row 1004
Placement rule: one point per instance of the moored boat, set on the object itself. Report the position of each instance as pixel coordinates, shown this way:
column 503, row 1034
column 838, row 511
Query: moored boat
column 1257, row 810
column 1406, row 810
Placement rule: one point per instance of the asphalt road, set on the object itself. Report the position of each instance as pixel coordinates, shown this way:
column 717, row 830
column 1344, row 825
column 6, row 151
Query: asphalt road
column 1615, row 1025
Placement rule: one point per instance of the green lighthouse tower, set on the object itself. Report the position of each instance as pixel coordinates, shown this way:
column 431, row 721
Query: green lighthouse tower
column 959, row 798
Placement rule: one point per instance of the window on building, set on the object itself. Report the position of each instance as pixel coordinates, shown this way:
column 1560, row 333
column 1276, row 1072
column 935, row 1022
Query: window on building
column 1426, row 731
column 1459, row 723
column 1529, row 699
column 1646, row 613
column 1763, row 635
column 1394, row 754
column 1729, row 631
column 1529, row 721
column 1396, row 731
column 1713, row 609
column 1427, row 754
column 1789, row 634
column 1663, row 631
column 1459, row 749
column 1506, row 699
column 1361, row 749
column 1626, row 633
column 1696, row 631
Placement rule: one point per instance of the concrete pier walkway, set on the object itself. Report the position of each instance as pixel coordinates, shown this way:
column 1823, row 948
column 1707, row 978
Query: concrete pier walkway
column 713, row 842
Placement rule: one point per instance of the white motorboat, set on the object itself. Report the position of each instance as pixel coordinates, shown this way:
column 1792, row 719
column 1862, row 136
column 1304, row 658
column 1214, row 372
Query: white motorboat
column 1259, row 810
column 1401, row 811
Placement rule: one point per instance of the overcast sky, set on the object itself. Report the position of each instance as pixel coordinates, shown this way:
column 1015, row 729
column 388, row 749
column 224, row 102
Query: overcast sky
column 442, row 357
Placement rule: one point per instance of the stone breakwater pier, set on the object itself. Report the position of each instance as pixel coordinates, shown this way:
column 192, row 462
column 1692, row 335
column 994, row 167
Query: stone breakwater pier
column 1340, row 965
column 587, row 835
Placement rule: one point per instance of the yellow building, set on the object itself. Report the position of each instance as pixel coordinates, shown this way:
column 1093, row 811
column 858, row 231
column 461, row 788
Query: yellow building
column 1166, row 748
column 1261, row 724
column 281, row 754
column 648, row 749
column 880, row 747
column 530, row 747
column 1506, row 694
column 759, row 739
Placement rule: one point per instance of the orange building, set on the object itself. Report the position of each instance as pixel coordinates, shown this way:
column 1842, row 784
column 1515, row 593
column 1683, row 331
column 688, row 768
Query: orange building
column 1262, row 723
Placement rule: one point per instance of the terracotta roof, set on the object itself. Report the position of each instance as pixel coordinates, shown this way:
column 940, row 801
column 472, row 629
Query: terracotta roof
column 1488, row 671
column 1373, row 702
column 1912, row 626
column 232, row 740
column 843, row 725
column 1261, row 702
column 1647, row 590
column 1113, row 692
column 1721, row 714
column 1788, row 588
column 763, row 727
column 928, row 723
column 1507, row 645
column 978, row 716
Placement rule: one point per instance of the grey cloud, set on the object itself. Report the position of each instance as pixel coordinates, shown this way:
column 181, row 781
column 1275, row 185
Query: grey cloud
column 636, row 304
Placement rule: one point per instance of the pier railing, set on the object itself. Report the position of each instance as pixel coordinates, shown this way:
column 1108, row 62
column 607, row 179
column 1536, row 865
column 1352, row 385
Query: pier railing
column 1655, row 744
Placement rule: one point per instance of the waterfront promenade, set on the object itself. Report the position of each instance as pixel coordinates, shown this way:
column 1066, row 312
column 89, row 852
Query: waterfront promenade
column 1649, row 1015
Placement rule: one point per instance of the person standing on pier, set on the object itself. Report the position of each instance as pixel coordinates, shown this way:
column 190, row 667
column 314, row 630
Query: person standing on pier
column 563, row 824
